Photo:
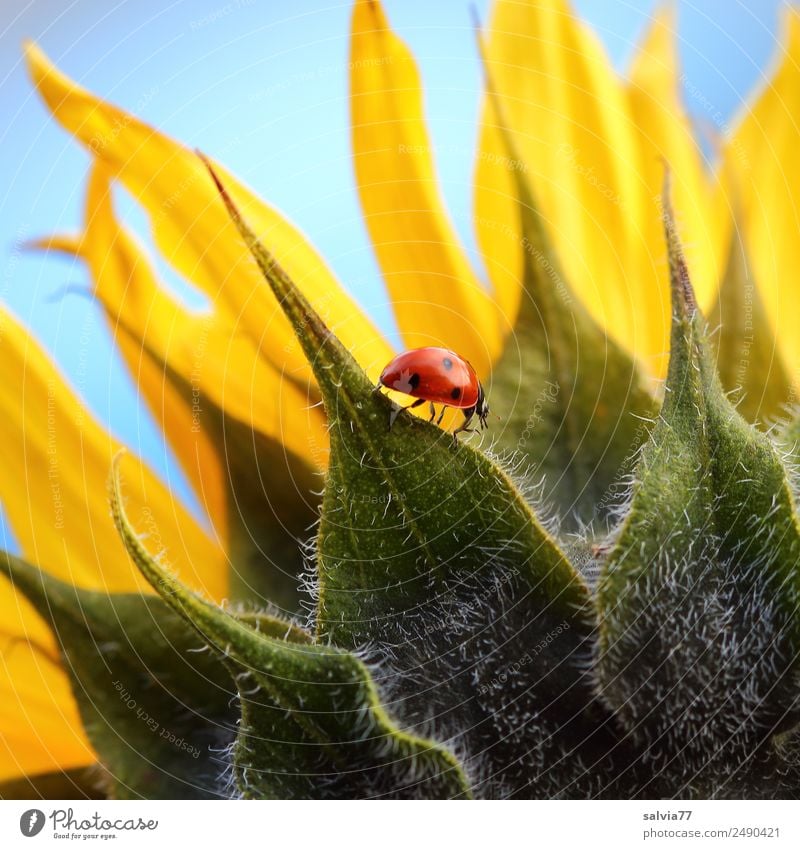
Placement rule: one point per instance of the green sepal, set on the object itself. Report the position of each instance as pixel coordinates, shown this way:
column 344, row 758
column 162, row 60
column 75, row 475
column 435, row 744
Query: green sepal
column 155, row 706
column 750, row 365
column 699, row 624
column 573, row 403
column 312, row 724
column 429, row 558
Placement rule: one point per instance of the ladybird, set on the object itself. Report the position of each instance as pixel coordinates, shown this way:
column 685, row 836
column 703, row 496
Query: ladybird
column 438, row 376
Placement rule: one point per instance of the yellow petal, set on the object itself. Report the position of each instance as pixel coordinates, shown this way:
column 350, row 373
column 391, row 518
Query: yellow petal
column 135, row 304
column 54, row 465
column 761, row 176
column 436, row 296
column 590, row 164
column 664, row 134
column 40, row 729
column 194, row 233
column 573, row 131
column 166, row 347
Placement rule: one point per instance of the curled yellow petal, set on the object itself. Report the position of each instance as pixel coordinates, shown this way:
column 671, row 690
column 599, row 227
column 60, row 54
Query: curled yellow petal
column 166, row 346
column 54, row 464
column 437, row 298
column 194, row 234
column 137, row 308
column 250, row 440
column 760, row 178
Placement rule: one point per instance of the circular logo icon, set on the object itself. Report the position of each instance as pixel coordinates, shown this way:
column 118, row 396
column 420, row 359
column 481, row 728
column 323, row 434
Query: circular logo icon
column 31, row 822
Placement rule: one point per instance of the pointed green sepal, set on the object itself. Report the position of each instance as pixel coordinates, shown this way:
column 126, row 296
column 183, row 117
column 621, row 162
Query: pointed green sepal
column 573, row 404
column 431, row 561
column 155, row 705
column 312, row 723
column 699, row 597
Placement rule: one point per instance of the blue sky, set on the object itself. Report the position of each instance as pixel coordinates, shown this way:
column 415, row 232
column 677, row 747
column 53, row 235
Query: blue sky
column 263, row 86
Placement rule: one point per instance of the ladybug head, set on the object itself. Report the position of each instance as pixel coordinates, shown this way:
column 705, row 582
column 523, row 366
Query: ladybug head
column 482, row 407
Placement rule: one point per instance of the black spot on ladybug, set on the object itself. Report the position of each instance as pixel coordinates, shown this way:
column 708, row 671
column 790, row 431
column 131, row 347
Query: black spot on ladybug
column 414, row 380
column 447, row 363
column 455, row 393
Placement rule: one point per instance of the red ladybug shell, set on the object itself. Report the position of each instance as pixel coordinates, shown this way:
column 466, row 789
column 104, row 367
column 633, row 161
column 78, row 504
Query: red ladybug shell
column 435, row 374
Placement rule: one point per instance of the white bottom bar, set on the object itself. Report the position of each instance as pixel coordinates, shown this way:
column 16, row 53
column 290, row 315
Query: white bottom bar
column 352, row 825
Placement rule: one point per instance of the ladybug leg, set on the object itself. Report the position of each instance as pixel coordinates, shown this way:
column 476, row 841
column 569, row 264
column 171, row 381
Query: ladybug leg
column 464, row 427
column 433, row 412
column 441, row 416
column 398, row 410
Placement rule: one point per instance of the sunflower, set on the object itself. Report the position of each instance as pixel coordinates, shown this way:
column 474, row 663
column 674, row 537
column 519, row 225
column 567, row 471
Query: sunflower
column 233, row 388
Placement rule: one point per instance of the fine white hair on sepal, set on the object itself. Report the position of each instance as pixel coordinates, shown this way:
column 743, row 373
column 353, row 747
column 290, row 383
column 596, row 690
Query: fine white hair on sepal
column 698, row 661
column 785, row 437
